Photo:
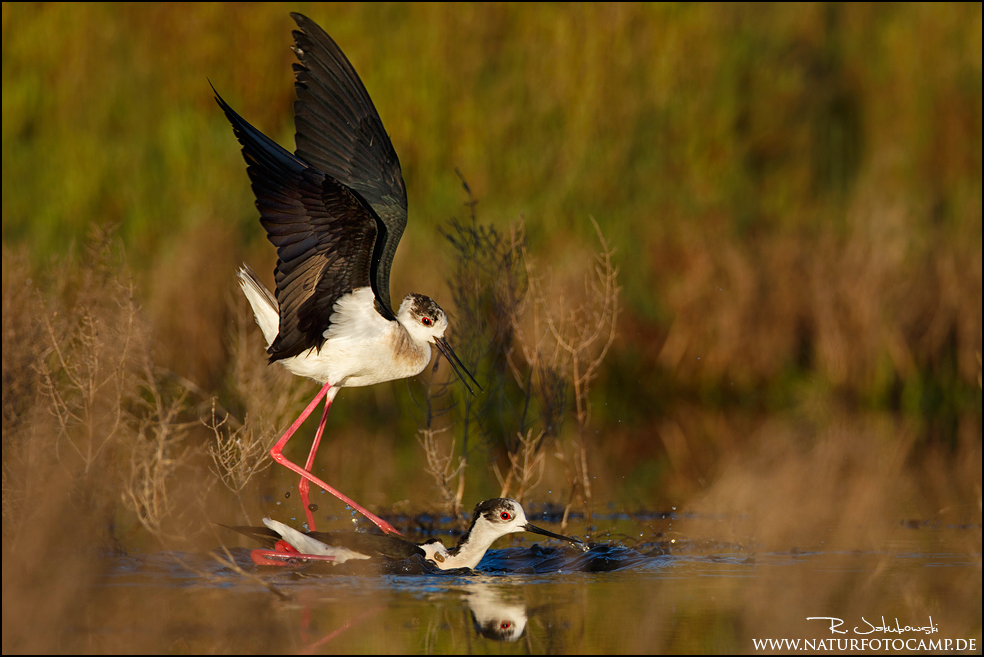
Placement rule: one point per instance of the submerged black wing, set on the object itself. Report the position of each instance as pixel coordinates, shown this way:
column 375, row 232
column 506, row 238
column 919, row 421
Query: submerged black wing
column 266, row 536
column 340, row 133
column 323, row 232
column 373, row 545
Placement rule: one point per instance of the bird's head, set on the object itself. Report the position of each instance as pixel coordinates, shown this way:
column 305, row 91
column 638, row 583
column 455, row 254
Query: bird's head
column 501, row 516
column 427, row 322
column 423, row 318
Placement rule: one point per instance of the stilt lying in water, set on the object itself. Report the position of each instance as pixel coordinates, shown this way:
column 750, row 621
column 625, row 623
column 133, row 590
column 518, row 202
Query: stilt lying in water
column 491, row 520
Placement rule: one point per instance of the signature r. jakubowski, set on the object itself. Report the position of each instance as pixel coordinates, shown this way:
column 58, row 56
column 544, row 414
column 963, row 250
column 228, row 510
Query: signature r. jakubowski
column 898, row 628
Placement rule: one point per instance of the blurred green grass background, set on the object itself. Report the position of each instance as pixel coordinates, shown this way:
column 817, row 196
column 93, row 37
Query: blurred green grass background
column 794, row 191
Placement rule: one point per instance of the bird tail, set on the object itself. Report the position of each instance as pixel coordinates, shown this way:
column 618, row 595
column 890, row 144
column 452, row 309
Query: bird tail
column 264, row 304
column 299, row 540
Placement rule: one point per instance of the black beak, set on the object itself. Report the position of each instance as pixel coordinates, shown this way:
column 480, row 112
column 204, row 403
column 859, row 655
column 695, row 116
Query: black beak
column 536, row 530
column 456, row 364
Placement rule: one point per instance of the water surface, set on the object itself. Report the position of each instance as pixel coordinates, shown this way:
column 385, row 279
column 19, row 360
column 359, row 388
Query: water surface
column 651, row 589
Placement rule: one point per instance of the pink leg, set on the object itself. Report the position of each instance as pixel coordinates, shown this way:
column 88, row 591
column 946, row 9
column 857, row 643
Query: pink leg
column 277, row 453
column 304, row 486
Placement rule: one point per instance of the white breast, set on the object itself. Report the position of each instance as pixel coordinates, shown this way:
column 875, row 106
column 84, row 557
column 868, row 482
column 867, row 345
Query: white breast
column 362, row 347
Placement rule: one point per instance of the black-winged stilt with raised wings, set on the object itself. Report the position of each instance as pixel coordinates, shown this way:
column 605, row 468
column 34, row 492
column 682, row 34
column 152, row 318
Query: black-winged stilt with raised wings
column 335, row 210
column 491, row 520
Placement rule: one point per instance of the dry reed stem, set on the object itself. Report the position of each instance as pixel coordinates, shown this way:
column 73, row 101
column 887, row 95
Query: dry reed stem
column 103, row 429
column 526, row 465
column 226, row 560
column 236, row 453
column 449, row 481
column 86, row 380
column 569, row 341
column 586, row 326
column 154, row 460
column 557, row 343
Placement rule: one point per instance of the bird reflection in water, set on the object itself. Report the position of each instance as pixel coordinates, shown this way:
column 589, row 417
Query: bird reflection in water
column 493, row 616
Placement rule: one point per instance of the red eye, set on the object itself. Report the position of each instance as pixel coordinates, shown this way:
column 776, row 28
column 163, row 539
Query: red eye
column 505, row 625
column 505, row 515
column 426, row 321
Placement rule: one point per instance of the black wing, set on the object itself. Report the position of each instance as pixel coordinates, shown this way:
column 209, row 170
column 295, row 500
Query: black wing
column 340, row 133
column 266, row 536
column 374, row 545
column 324, row 236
